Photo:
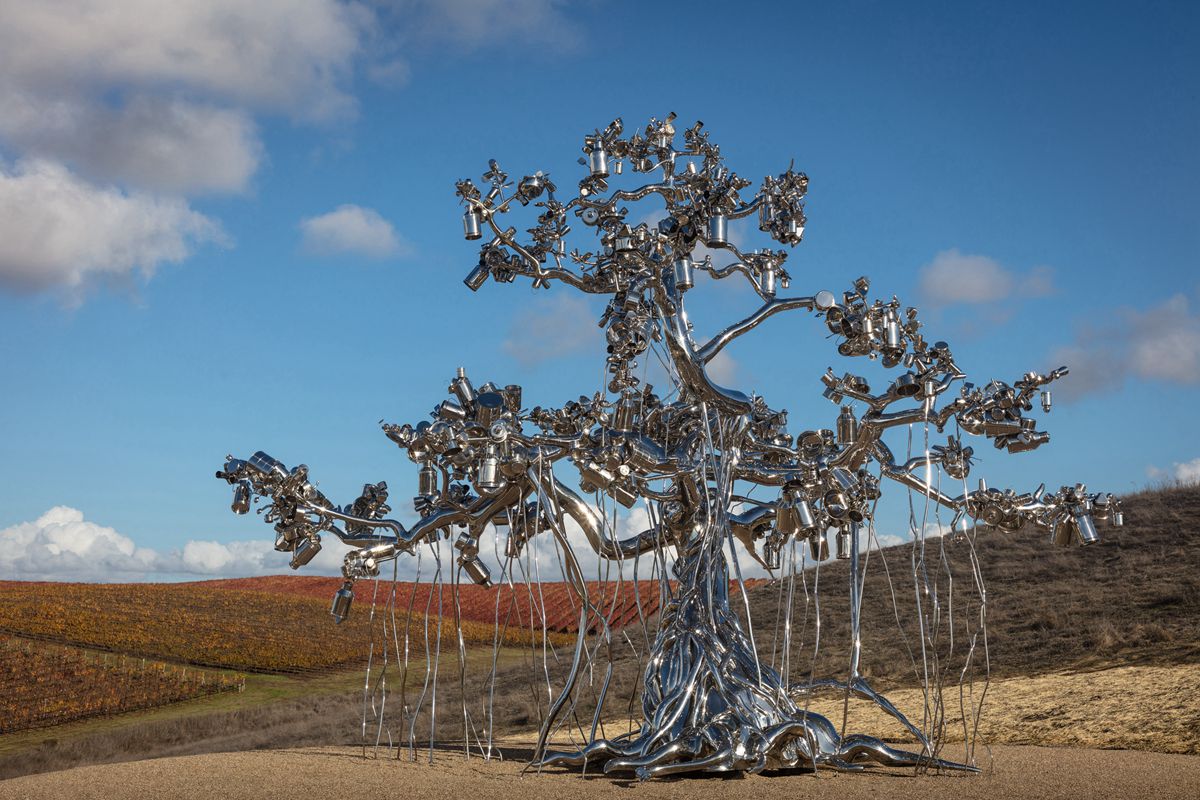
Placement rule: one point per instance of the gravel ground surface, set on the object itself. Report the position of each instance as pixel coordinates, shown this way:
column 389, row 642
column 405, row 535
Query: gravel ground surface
column 1028, row 773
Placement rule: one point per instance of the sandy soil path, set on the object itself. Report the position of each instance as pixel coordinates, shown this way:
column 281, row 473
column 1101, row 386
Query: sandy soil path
column 1029, row 773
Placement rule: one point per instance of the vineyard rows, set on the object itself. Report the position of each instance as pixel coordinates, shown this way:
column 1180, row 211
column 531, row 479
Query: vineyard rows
column 555, row 603
column 277, row 624
column 224, row 628
column 43, row 685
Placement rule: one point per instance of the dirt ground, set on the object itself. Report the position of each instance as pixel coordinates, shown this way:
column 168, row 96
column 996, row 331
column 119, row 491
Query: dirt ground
column 1134, row 708
column 1029, row 773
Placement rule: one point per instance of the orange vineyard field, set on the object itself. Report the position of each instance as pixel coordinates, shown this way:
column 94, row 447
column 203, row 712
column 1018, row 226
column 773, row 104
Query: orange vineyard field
column 42, row 684
column 253, row 631
column 518, row 606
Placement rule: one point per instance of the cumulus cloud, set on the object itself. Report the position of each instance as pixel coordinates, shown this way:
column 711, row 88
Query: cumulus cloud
column 1186, row 473
column 120, row 91
column 63, row 545
column 353, row 230
column 1161, row 343
column 954, row 278
column 151, row 98
column 285, row 55
column 163, row 144
column 59, row 230
column 554, row 325
column 103, row 102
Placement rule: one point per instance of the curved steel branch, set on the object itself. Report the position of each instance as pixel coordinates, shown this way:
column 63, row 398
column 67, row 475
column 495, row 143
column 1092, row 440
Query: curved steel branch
column 746, row 209
column 534, row 265
column 559, row 499
column 768, row 474
column 718, row 342
column 688, row 364
column 750, row 525
column 900, row 474
column 361, row 541
column 629, row 196
column 383, row 548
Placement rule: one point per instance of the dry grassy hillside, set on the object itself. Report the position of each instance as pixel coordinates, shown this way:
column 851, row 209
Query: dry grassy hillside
column 1131, row 599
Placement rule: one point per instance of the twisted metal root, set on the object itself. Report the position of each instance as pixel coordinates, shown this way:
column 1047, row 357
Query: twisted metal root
column 709, row 705
column 809, row 741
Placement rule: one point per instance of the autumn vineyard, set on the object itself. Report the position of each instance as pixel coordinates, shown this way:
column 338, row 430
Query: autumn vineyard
column 72, row 651
column 48, row 684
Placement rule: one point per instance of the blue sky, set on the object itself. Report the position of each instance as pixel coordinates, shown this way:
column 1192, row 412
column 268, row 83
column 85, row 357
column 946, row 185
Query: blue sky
column 231, row 228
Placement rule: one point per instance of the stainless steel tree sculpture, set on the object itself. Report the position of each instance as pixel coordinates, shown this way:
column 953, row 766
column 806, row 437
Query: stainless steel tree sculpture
column 708, row 702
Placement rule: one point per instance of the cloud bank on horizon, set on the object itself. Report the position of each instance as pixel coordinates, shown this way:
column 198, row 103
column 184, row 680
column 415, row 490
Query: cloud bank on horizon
column 61, row 545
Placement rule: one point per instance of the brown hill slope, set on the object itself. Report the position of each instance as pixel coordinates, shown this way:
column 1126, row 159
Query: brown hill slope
column 1133, row 598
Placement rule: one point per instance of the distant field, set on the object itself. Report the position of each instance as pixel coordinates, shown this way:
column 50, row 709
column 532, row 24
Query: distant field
column 46, row 684
column 216, row 627
column 554, row 603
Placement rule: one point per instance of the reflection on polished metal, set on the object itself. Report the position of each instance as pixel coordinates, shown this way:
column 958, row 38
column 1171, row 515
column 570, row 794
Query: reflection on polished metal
column 709, row 703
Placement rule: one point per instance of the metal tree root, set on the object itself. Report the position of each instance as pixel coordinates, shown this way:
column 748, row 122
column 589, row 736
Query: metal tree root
column 710, row 705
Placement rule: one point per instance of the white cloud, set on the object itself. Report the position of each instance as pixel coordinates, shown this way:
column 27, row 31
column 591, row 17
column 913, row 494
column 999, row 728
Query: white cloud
column 248, row 558
column 58, row 230
column 62, row 545
column 285, row 55
column 123, row 92
column 164, row 144
column 1161, row 343
column 932, row 529
column 555, row 324
column 1186, row 473
column 954, row 277
column 143, row 96
column 103, row 101
column 352, row 229
column 1164, row 342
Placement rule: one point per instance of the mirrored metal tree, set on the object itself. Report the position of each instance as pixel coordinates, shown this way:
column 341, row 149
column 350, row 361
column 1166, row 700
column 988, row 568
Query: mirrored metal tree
column 708, row 701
